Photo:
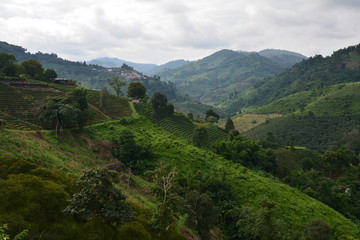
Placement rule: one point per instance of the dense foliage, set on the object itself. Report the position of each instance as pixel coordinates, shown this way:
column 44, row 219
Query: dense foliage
column 311, row 74
column 136, row 90
column 99, row 200
column 68, row 111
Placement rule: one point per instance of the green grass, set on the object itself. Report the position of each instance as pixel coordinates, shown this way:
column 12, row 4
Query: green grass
column 179, row 125
column 335, row 100
column 18, row 106
column 77, row 151
column 316, row 132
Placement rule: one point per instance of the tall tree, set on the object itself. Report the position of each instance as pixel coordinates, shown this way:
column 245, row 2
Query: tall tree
column 211, row 116
column 67, row 111
column 136, row 90
column 32, row 68
column 116, row 83
column 99, row 200
column 229, row 125
column 49, row 75
column 200, row 137
column 8, row 64
column 160, row 104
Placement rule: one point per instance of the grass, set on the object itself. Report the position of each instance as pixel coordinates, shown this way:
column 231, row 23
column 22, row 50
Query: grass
column 179, row 125
column 245, row 122
column 18, row 106
column 77, row 151
column 335, row 100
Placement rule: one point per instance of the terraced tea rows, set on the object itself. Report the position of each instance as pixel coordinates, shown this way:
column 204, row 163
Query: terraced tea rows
column 178, row 124
column 112, row 106
column 18, row 106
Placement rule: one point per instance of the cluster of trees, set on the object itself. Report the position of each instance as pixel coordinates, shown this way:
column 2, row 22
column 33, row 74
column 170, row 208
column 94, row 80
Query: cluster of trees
column 64, row 112
column 160, row 105
column 31, row 68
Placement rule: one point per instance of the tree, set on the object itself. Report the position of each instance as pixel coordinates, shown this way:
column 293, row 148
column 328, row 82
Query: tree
column 129, row 152
column 258, row 223
column 318, row 230
column 136, row 90
column 67, row 111
column 8, row 64
column 116, row 83
column 49, row 75
column 200, row 136
column 32, row 68
column 168, row 205
column 160, row 104
column 229, row 125
column 211, row 116
column 5, row 236
column 99, row 200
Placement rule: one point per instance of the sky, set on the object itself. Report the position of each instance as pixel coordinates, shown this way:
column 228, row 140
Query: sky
column 158, row 31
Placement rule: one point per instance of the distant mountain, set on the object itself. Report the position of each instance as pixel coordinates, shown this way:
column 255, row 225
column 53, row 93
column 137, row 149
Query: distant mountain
column 283, row 56
column 342, row 66
column 115, row 62
column 223, row 75
column 146, row 68
column 169, row 65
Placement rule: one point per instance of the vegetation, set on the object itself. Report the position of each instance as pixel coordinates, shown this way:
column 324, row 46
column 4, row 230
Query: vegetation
column 99, row 200
column 311, row 74
column 166, row 176
column 32, row 68
column 64, row 112
column 116, row 83
column 216, row 181
column 229, row 125
column 136, row 90
column 222, row 76
column 160, row 105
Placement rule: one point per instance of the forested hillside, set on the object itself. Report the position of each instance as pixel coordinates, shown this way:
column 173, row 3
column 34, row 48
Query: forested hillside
column 343, row 66
column 223, row 75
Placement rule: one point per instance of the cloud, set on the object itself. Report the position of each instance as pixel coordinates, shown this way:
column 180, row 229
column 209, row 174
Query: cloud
column 161, row 30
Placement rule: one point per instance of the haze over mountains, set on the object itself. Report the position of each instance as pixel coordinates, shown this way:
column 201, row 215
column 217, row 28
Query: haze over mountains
column 147, row 68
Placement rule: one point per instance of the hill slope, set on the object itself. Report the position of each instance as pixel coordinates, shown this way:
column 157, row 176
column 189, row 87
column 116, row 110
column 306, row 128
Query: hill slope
column 316, row 119
column 222, row 75
column 74, row 152
column 342, row 66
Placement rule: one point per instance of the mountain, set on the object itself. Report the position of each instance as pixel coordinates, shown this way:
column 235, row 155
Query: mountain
column 315, row 104
column 342, row 66
column 223, row 75
column 283, row 56
column 146, row 68
column 116, row 63
column 169, row 65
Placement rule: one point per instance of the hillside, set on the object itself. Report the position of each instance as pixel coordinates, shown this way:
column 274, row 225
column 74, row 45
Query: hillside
column 19, row 105
column 95, row 76
column 284, row 57
column 86, row 75
column 343, row 66
column 316, row 119
column 223, row 75
column 74, row 152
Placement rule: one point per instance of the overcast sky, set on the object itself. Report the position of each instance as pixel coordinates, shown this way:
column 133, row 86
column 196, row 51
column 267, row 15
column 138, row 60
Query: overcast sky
column 157, row 31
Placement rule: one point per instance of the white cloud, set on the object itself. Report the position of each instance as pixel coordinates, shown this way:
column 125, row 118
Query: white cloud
column 161, row 30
